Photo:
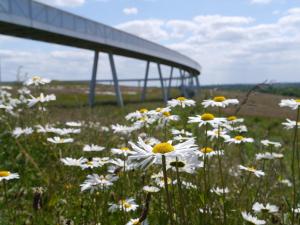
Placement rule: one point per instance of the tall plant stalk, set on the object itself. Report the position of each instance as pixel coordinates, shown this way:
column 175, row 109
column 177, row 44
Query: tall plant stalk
column 170, row 211
column 294, row 195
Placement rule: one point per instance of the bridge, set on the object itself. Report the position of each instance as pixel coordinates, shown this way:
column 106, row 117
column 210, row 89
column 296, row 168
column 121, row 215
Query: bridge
column 37, row 21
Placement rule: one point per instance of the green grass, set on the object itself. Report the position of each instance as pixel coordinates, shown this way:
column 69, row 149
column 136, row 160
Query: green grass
column 62, row 198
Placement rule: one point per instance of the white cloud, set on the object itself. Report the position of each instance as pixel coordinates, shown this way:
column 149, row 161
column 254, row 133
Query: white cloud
column 130, row 11
column 261, row 1
column 149, row 29
column 63, row 3
column 230, row 50
column 233, row 49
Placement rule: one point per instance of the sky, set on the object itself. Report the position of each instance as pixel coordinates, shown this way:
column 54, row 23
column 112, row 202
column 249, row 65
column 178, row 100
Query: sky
column 235, row 41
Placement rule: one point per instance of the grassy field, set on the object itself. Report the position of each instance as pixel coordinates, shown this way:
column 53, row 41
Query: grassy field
column 49, row 192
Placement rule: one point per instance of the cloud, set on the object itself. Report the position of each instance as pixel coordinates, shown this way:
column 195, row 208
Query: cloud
column 261, row 1
column 63, row 3
column 233, row 49
column 230, row 49
column 130, row 11
column 149, row 29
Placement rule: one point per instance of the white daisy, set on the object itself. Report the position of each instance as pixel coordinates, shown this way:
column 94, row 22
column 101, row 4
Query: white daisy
column 119, row 165
column 95, row 163
column 187, row 164
column 239, row 140
column 271, row 143
column 64, row 131
column 159, row 179
column 166, row 117
column 252, row 219
column 208, row 152
column 93, row 148
column 257, row 173
column 219, row 101
column 297, row 210
column 126, row 204
column 137, row 114
column 215, row 133
column 96, row 182
column 206, row 118
column 182, row 102
column 124, row 130
column 291, row 103
column 290, row 124
column 73, row 162
column 268, row 155
column 176, row 132
column 151, row 189
column 59, row 140
column 37, row 80
column 7, row 175
column 73, row 124
column 234, row 120
column 259, row 207
column 122, row 151
column 147, row 155
column 219, row 191
column 18, row 131
column 286, row 182
column 42, row 98
column 137, row 222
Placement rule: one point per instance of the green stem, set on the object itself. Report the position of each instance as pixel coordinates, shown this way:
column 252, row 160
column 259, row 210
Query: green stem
column 182, row 211
column 167, row 189
column 293, row 167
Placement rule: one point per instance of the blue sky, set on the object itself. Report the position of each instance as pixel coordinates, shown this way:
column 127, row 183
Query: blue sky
column 235, row 41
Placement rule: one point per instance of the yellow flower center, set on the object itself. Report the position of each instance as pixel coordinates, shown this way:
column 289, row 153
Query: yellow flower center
column 239, row 138
column 251, row 169
column 297, row 100
column 4, row 173
column 219, row 99
column 163, row 148
column 166, row 114
column 124, row 149
column 169, row 181
column 136, row 222
column 231, row 118
column 90, row 163
column 36, row 78
column 207, row 116
column 143, row 119
column 158, row 110
column 206, row 150
column 125, row 204
column 143, row 110
column 181, row 99
column 68, row 186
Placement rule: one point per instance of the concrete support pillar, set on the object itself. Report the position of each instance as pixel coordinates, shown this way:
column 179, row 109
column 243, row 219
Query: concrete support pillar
column 165, row 98
column 116, row 81
column 93, row 80
column 183, row 91
column 170, row 83
column 145, row 81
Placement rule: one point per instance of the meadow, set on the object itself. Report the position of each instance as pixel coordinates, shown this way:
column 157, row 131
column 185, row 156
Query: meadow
column 220, row 158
